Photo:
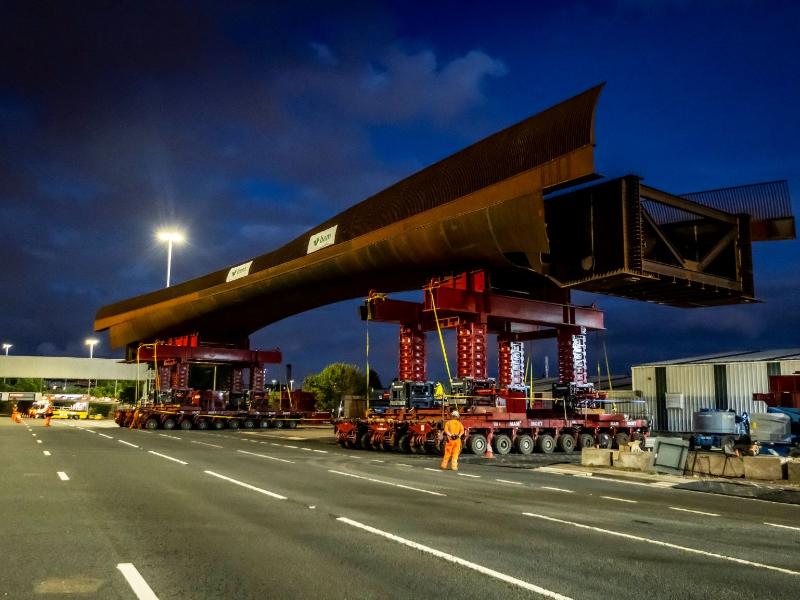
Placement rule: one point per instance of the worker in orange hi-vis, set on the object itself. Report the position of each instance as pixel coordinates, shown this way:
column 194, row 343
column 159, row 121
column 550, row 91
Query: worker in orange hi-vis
column 453, row 430
column 15, row 415
column 48, row 414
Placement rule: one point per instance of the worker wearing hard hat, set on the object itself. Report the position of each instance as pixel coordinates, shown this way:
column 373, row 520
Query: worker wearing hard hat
column 453, row 430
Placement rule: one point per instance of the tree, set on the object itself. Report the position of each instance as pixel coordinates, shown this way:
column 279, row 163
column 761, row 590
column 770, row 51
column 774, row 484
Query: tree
column 333, row 382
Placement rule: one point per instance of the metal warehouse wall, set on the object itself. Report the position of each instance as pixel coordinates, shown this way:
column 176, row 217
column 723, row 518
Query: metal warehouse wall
column 67, row 367
column 698, row 384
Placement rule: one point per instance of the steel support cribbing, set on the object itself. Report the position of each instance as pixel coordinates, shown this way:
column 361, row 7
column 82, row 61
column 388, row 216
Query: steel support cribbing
column 471, row 350
column 572, row 360
column 412, row 363
column 257, row 382
column 510, row 364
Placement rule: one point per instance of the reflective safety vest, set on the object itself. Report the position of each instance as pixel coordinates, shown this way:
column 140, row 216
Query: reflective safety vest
column 453, row 428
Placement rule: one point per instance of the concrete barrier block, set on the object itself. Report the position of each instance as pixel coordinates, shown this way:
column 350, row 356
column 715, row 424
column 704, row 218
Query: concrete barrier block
column 793, row 470
column 639, row 461
column 714, row 463
column 763, row 467
column 596, row 457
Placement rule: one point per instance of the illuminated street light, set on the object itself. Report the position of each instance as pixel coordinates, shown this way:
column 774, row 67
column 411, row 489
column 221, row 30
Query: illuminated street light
column 170, row 237
column 6, row 347
column 91, row 342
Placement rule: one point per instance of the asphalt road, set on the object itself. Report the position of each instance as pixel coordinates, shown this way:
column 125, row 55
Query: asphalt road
column 96, row 512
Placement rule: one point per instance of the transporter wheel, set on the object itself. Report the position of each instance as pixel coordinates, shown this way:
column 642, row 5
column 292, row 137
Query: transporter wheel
column 524, row 444
column 248, row 423
column 219, row 424
column 233, row 424
column 186, row 424
column 278, row 423
column 502, row 443
column 546, row 443
column 151, row 423
column 169, row 423
column 366, row 440
column 419, row 449
column 623, row 439
column 606, row 441
column 342, row 442
column 566, row 443
column 263, row 424
column 476, row 443
column 438, row 446
column 586, row 440
column 291, row 424
column 404, row 444
column 202, row 424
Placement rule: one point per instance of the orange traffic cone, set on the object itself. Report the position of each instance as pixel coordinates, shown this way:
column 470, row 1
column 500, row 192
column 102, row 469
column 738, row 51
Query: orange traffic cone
column 488, row 453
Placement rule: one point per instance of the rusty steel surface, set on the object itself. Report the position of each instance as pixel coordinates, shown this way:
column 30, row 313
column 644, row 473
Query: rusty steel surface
column 483, row 206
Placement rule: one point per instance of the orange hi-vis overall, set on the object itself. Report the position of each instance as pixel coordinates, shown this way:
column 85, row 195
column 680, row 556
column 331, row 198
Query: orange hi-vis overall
column 453, row 430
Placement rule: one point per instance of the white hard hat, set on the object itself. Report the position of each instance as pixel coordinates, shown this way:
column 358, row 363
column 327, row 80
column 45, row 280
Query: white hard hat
column 454, row 414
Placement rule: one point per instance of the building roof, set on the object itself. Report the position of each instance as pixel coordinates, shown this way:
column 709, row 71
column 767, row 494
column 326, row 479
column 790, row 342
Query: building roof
column 732, row 356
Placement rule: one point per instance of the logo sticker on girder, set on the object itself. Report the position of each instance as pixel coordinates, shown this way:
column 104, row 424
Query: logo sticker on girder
column 239, row 271
column 320, row 240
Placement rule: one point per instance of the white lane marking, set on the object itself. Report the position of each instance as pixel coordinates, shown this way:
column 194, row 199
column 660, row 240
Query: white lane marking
column 296, row 439
column 468, row 475
column 248, row 486
column 38, row 441
column 666, row 484
column 289, row 446
column 45, row 452
column 620, row 499
column 127, row 443
column 404, row 465
column 399, row 485
column 207, row 444
column 174, row 437
column 782, row 526
column 62, row 476
column 434, row 470
column 106, row 436
column 698, row 512
column 306, row 449
column 321, row 451
column 90, row 431
column 624, row 481
column 507, row 481
column 273, row 444
column 555, row 489
column 266, row 456
column 455, row 559
column 312, row 507
column 136, row 581
column 664, row 544
column 33, row 434
column 377, row 460
column 168, row 457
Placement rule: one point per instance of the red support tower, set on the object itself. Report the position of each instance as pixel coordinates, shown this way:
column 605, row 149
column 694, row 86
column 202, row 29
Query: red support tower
column 471, row 350
column 572, row 366
column 504, row 363
column 412, row 363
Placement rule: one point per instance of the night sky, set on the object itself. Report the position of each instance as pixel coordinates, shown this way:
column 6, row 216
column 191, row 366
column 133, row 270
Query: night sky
column 246, row 124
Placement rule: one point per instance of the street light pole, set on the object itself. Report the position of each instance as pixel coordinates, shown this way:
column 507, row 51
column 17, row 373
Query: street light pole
column 6, row 348
column 169, row 237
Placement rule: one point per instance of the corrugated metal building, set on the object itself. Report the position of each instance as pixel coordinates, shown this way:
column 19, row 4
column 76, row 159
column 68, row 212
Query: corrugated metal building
column 674, row 389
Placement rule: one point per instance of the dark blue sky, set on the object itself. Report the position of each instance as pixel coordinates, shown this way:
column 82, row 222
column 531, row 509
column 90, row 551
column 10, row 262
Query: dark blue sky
column 248, row 124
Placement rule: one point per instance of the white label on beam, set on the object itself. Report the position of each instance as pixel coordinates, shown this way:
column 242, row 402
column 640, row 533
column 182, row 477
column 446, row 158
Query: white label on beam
column 239, row 271
column 320, row 240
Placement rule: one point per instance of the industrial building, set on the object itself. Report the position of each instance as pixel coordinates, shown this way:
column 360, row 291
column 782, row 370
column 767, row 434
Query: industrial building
column 674, row 389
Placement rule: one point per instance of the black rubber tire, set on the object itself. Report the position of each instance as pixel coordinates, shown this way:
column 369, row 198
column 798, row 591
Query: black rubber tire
column 248, row 424
column 545, row 443
column 524, row 444
column 343, row 443
column 586, row 440
column 438, row 447
column 366, row 440
column 263, row 424
column 566, row 443
column 622, row 438
column 605, row 441
column 151, row 423
column 278, row 423
column 421, row 449
column 202, row 424
column 291, row 424
column 233, row 424
column 404, row 444
column 502, row 444
column 186, row 424
column 476, row 443
column 169, row 424
column 218, row 424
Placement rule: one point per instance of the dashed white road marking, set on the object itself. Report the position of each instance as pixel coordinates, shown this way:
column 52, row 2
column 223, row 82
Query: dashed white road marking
column 90, row 431
column 665, row 484
column 398, row 485
column 404, row 465
column 321, row 451
column 306, row 449
column 136, row 581
column 468, row 475
column 38, row 441
column 63, row 476
column 266, row 456
column 127, row 443
column 620, row 499
column 33, row 434
column 455, row 559
column 555, row 489
column 782, row 526
column 247, row 485
column 167, row 457
column 377, row 460
column 289, row 446
column 434, row 470
column 273, row 444
column 46, row 453
column 174, row 437
column 665, row 544
column 689, row 510
column 106, row 436
column 512, row 482
column 207, row 444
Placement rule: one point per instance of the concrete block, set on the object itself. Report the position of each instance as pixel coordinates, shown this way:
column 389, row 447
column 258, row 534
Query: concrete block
column 763, row 467
column 639, row 461
column 714, row 463
column 793, row 470
column 596, row 457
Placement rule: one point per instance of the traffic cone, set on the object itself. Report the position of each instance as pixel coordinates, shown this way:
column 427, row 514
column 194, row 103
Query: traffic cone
column 488, row 453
